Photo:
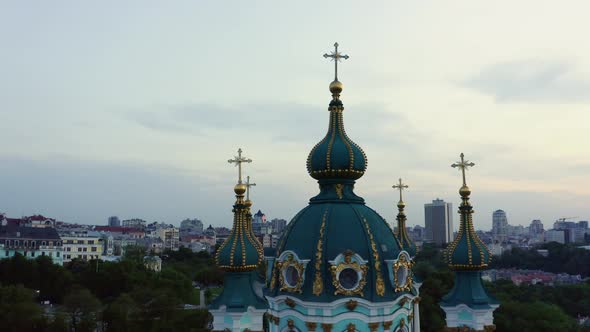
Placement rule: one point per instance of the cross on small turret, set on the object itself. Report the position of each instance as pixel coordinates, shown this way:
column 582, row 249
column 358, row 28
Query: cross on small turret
column 336, row 57
column 238, row 160
column 248, row 185
column 400, row 186
column 463, row 165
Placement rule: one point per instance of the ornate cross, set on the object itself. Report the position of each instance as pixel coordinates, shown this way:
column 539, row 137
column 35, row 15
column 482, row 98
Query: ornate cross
column 336, row 57
column 463, row 165
column 248, row 185
column 400, row 186
column 238, row 160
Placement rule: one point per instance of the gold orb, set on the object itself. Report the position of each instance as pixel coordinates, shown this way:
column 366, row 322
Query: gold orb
column 248, row 203
column 336, row 87
column 464, row 191
column 240, row 189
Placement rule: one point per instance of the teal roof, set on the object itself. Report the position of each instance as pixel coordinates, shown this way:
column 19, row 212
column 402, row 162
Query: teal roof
column 240, row 291
column 336, row 156
column 467, row 251
column 348, row 225
column 241, row 251
column 468, row 290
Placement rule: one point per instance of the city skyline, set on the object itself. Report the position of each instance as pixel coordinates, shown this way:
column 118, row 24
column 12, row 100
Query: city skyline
column 135, row 112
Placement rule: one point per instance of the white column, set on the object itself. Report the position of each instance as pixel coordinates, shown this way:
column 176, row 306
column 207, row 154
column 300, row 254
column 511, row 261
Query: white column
column 416, row 319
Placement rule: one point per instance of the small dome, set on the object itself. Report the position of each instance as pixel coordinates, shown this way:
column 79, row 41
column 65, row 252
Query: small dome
column 336, row 156
column 241, row 251
column 467, row 251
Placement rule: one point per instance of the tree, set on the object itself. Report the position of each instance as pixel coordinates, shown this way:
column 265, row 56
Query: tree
column 532, row 317
column 18, row 310
column 58, row 324
column 82, row 308
column 121, row 314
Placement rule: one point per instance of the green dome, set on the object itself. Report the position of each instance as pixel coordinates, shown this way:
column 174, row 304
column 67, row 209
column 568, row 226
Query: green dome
column 241, row 251
column 336, row 155
column 467, row 251
column 328, row 228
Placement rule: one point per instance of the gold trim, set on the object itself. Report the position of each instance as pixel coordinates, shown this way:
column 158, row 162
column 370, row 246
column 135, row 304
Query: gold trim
column 403, row 262
column 338, row 188
column 300, row 269
column 331, row 143
column 311, row 326
column 351, row 327
column 351, row 305
column 380, row 284
column 327, row 327
column 289, row 301
column 374, row 326
column 345, row 140
column 318, row 283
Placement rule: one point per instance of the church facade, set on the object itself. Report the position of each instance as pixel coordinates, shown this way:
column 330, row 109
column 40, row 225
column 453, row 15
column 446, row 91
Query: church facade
column 339, row 267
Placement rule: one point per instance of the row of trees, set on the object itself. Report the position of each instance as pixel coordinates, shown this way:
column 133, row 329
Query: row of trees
column 108, row 296
column 523, row 308
column 560, row 258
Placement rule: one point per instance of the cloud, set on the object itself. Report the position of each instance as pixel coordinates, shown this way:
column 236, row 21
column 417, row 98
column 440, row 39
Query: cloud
column 279, row 122
column 532, row 81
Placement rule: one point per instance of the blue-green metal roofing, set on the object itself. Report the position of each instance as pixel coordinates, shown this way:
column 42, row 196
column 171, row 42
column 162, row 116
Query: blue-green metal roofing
column 240, row 291
column 468, row 290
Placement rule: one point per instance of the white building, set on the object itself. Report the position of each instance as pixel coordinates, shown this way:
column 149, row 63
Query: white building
column 81, row 244
column 170, row 236
column 554, row 235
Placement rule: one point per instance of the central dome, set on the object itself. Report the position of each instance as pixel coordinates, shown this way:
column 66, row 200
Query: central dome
column 336, row 155
column 338, row 247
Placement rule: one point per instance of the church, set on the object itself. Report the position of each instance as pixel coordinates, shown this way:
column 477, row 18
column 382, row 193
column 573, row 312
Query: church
column 339, row 266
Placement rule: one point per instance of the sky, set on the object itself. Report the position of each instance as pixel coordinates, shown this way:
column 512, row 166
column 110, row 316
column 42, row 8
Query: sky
column 133, row 108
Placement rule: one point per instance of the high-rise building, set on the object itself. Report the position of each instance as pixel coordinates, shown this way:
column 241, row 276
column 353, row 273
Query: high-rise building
column 438, row 217
column 536, row 227
column 114, row 221
column 278, row 225
column 418, row 233
column 555, row 235
column 499, row 225
column 169, row 235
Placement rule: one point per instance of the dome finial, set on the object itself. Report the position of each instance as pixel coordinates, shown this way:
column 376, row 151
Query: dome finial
column 463, row 165
column 402, row 234
column 238, row 160
column 400, row 186
column 336, row 56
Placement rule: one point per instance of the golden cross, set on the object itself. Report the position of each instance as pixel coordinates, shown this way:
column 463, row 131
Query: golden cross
column 336, row 57
column 400, row 186
column 463, row 165
column 238, row 160
column 248, row 185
